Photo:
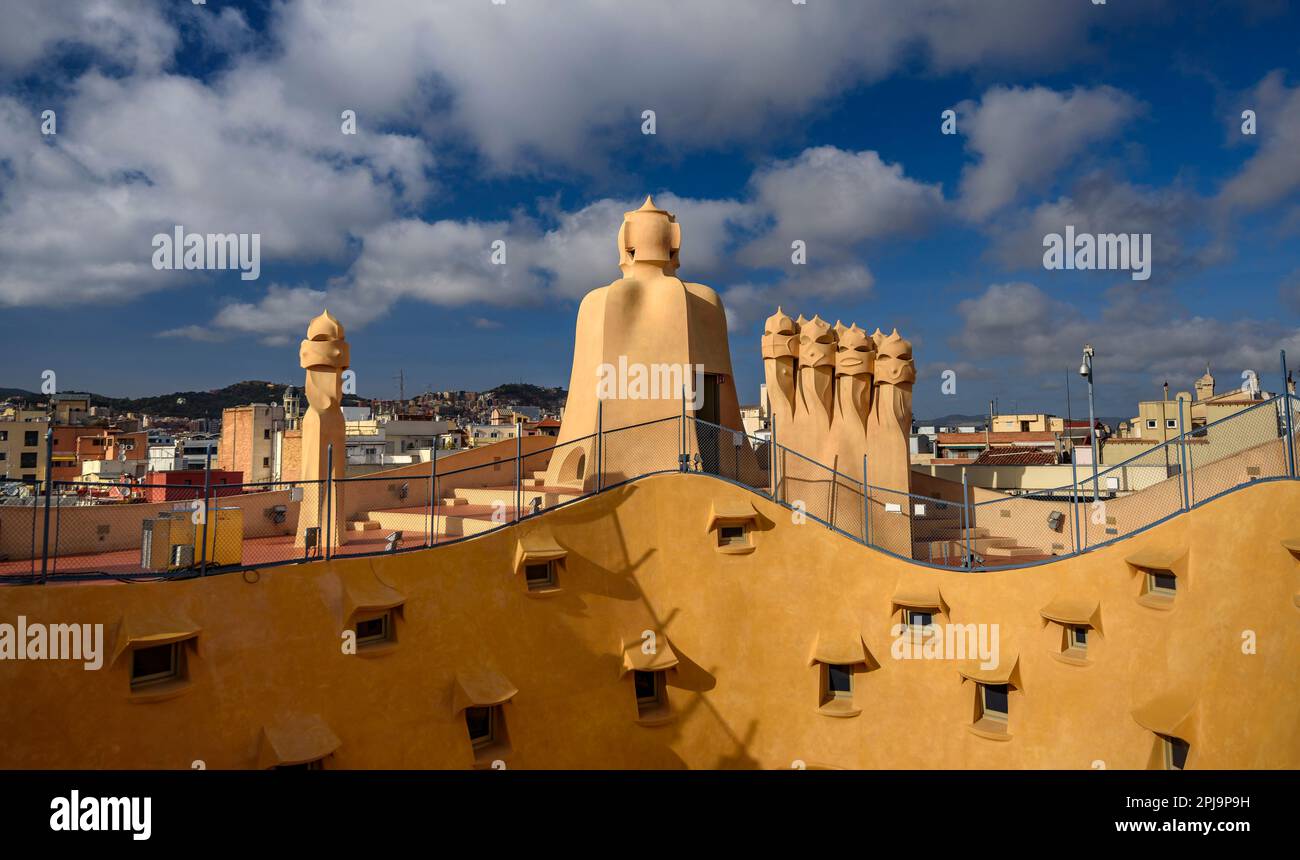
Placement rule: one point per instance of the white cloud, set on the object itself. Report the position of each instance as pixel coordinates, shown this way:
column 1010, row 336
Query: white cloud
column 130, row 34
column 531, row 87
column 1023, row 136
column 834, row 200
column 1272, row 175
column 748, row 303
column 146, row 154
column 1142, row 337
column 1181, row 239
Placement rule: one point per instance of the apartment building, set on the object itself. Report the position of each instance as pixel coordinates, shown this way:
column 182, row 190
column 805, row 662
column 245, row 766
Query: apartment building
column 248, row 440
column 22, row 444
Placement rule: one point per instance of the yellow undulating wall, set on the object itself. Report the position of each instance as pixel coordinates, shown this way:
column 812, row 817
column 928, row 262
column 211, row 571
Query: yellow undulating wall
column 743, row 625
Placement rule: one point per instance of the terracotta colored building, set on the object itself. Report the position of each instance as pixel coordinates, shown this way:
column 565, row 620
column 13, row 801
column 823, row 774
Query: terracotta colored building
column 183, row 485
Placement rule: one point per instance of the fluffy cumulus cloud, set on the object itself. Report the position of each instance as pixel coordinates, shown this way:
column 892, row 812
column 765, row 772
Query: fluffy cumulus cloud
column 529, row 86
column 1021, row 138
column 833, row 201
column 748, row 303
column 1181, row 240
column 1142, row 337
column 1272, row 174
column 132, row 35
column 255, row 146
column 135, row 156
column 516, row 88
column 565, row 254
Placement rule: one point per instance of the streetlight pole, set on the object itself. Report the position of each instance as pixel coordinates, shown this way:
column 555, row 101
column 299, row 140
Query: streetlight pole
column 1085, row 370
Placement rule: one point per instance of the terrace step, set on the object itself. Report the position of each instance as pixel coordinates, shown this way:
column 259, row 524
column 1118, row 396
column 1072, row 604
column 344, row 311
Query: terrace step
column 362, row 525
column 550, row 496
column 1012, row 551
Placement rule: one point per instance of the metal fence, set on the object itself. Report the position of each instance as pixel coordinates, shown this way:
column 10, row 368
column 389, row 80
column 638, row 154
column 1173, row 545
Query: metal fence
column 70, row 530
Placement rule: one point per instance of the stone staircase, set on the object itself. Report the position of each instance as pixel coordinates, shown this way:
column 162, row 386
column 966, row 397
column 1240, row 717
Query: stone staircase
column 937, row 537
column 467, row 511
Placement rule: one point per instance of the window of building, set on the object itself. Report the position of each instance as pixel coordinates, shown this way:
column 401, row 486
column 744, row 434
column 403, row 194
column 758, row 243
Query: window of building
column 1175, row 752
column 4, row 435
column 266, row 434
column 837, row 684
column 917, row 619
column 157, row 664
column 733, row 536
column 540, row 575
column 27, row 460
column 484, row 725
column 266, row 461
column 31, row 438
column 1161, row 584
column 375, row 630
column 993, row 707
column 651, row 695
column 1171, row 423
column 1076, row 640
column 1151, row 424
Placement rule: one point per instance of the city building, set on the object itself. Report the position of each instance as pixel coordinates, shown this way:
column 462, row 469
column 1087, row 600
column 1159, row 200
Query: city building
column 197, row 450
column 22, row 444
column 185, row 485
column 1034, row 422
column 247, row 443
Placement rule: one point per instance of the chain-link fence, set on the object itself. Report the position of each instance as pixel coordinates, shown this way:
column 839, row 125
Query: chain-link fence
column 649, row 448
column 727, row 453
column 20, row 530
column 804, row 484
column 76, row 529
column 1250, row 445
column 1006, row 531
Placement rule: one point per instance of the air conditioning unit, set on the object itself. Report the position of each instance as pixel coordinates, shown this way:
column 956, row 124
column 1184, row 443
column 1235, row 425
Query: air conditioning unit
column 160, row 535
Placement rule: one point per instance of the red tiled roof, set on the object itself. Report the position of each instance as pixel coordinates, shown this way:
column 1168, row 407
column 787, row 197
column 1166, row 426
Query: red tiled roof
column 1013, row 456
column 1009, row 438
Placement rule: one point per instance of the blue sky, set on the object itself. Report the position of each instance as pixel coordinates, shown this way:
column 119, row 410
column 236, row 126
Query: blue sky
column 775, row 122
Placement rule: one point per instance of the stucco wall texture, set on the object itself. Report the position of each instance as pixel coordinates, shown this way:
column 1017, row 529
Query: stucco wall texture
column 743, row 626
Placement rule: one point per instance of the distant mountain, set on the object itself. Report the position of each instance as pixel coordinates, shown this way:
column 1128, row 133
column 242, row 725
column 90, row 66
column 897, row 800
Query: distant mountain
column 183, row 404
column 523, row 394
column 208, row 404
column 952, row 420
column 19, row 394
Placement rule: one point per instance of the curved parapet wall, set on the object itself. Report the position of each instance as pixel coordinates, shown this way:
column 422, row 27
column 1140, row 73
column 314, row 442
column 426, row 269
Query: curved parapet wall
column 741, row 622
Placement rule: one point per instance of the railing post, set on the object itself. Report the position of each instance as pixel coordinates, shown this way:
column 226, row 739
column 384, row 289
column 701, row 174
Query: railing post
column 682, row 456
column 600, row 443
column 866, row 508
column 1184, row 458
column 866, row 499
column 967, row 559
column 329, row 490
column 830, row 507
column 1074, row 501
column 433, row 490
column 49, row 491
column 207, row 485
column 519, row 470
column 771, row 447
column 1290, row 430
